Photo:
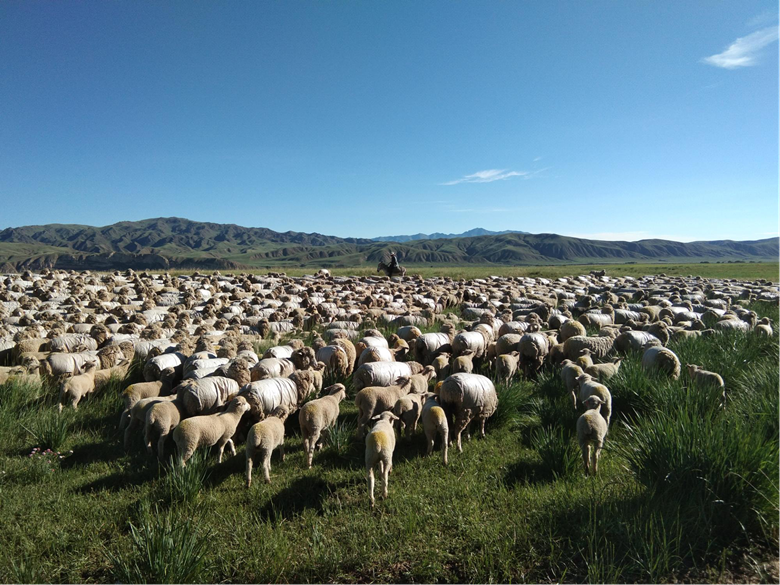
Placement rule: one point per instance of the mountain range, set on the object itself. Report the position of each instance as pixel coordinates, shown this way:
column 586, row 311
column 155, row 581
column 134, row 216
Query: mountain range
column 168, row 243
column 440, row 236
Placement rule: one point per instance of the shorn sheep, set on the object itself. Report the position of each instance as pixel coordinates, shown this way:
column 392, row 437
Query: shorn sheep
column 466, row 397
column 408, row 410
column 704, row 377
column 76, row 387
column 435, row 423
column 210, row 429
column 380, row 444
column 590, row 387
column 317, row 416
column 263, row 438
column 591, row 432
column 374, row 400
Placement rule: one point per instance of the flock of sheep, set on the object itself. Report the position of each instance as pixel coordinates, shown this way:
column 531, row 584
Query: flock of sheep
column 195, row 338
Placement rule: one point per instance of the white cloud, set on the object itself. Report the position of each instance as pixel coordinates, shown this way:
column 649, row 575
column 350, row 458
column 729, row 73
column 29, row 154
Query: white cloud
column 487, row 176
column 742, row 52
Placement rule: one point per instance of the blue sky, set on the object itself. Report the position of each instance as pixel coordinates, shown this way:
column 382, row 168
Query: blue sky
column 616, row 120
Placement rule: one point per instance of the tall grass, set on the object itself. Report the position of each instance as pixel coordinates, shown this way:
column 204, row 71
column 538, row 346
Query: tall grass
column 50, row 429
column 166, row 548
column 184, row 483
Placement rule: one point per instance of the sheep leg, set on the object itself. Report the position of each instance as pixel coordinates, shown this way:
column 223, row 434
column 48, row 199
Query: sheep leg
column 386, row 478
column 482, row 427
column 281, row 450
column 586, row 458
column 430, row 440
column 574, row 399
column 267, row 466
column 371, row 485
column 444, row 444
column 148, row 438
column 161, row 447
column 596, row 455
column 311, row 446
column 221, row 450
column 321, row 441
column 248, row 470
column 232, row 447
column 461, row 422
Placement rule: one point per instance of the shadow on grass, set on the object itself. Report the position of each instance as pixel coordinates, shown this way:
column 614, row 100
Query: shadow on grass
column 303, row 494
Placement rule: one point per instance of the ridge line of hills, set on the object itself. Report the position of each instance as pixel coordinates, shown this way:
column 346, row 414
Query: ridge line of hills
column 168, row 243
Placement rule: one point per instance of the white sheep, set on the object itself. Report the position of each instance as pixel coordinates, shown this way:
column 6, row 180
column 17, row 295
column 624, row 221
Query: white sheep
column 317, row 416
column 374, row 400
column 603, row 372
column 434, row 422
column 506, row 366
column 591, row 432
column 140, row 390
column 136, row 415
column 210, row 429
column 569, row 374
column 263, row 438
column 408, row 410
column 704, row 377
column 380, row 444
column 76, row 387
column 590, row 387
column 161, row 418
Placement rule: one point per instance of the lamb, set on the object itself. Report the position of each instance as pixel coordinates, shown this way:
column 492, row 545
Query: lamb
column 571, row 328
column 463, row 363
column 589, row 387
column 434, row 422
column 263, row 438
column 441, row 365
column 604, row 372
column 704, row 377
column 140, row 390
column 136, row 415
column 466, row 397
column 305, row 383
column 421, row 381
column 209, row 430
column 161, row 418
column 408, row 410
column 380, row 444
column 569, row 374
column 764, row 327
column 598, row 346
column 585, row 361
column 506, row 366
column 663, row 359
column 317, row 416
column 374, row 400
column 76, row 387
column 591, row 432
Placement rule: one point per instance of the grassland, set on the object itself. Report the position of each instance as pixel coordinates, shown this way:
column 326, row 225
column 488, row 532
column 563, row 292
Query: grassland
column 739, row 270
column 687, row 491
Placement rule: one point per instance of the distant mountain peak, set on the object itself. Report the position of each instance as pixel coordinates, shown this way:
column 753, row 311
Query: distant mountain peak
column 473, row 233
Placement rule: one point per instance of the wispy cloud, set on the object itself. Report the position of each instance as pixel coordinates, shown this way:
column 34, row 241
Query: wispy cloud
column 487, row 176
column 743, row 51
column 495, row 175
